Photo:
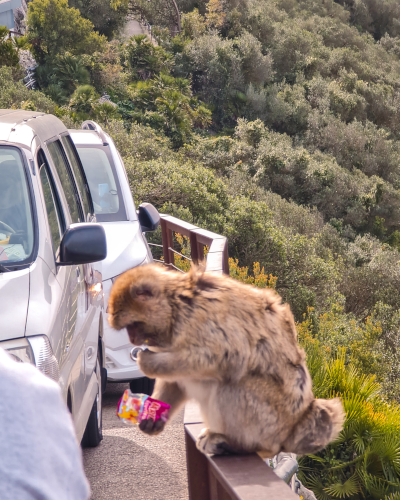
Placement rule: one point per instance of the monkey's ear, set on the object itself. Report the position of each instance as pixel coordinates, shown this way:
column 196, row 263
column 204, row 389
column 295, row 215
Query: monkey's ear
column 142, row 292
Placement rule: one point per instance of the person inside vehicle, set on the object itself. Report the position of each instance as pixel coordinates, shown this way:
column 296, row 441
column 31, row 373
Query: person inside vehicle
column 12, row 211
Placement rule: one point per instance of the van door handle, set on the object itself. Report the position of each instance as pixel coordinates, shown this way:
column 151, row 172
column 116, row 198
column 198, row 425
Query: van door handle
column 78, row 275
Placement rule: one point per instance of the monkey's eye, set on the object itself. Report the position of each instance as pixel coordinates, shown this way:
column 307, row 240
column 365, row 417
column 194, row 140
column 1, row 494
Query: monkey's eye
column 143, row 292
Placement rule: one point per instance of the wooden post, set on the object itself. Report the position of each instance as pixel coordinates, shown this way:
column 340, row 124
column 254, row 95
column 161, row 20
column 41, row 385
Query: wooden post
column 164, row 232
column 197, row 470
column 225, row 257
column 200, row 251
column 194, row 254
column 168, row 242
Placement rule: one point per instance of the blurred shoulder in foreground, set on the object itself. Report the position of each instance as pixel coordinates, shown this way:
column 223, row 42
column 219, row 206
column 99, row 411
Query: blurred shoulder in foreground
column 40, row 457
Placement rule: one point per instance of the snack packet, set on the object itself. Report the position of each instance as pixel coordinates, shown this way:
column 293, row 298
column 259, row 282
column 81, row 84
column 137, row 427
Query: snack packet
column 137, row 407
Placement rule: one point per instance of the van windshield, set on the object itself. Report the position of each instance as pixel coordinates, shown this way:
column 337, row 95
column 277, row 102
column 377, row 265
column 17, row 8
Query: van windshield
column 16, row 226
column 103, row 182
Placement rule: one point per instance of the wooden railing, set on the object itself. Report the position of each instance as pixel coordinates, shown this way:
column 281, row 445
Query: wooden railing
column 217, row 256
column 232, row 477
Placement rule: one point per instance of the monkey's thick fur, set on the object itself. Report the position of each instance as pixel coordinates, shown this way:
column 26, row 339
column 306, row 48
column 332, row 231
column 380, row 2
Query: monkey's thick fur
column 233, row 348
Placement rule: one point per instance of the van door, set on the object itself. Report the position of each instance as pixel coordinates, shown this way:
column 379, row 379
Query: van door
column 85, row 327
column 91, row 271
column 73, row 306
column 61, row 335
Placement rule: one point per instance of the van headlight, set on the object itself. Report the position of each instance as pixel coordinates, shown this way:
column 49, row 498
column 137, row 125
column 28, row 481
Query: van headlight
column 35, row 350
column 20, row 350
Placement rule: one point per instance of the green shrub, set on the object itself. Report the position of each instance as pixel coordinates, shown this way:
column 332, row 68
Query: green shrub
column 364, row 461
column 13, row 94
column 8, row 50
column 144, row 60
column 106, row 20
column 160, row 182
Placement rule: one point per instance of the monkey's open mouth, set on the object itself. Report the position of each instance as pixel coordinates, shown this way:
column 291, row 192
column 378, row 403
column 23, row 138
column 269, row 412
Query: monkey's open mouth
column 138, row 335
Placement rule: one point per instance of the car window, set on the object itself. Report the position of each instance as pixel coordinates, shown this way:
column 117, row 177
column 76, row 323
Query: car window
column 52, row 203
column 16, row 223
column 65, row 176
column 79, row 175
column 103, row 182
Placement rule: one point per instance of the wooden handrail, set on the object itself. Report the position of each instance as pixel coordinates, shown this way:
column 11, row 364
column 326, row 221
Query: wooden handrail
column 217, row 256
column 231, row 477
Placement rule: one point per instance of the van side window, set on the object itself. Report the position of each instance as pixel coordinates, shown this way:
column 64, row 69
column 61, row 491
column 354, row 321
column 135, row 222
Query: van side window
column 67, row 182
column 52, row 202
column 79, row 174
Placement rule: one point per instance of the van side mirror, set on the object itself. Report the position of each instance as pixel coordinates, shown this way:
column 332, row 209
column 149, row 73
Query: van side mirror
column 82, row 244
column 149, row 218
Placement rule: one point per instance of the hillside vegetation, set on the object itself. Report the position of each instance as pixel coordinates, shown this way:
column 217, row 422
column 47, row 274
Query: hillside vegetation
column 277, row 124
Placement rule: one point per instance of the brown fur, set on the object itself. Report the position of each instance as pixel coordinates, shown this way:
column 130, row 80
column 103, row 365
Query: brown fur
column 233, row 348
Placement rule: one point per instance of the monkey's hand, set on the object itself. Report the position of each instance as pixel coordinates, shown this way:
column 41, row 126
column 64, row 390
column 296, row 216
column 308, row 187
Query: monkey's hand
column 150, row 427
column 147, row 361
column 177, row 364
column 157, row 364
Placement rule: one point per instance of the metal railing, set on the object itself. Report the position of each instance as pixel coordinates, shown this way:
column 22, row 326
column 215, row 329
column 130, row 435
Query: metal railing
column 246, row 477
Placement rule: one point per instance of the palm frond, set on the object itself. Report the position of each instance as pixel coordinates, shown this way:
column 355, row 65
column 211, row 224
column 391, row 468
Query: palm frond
column 314, row 483
column 344, row 490
column 393, row 496
column 388, row 451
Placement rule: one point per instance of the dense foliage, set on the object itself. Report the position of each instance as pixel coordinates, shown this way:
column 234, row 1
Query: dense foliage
column 276, row 123
column 363, row 463
column 106, row 20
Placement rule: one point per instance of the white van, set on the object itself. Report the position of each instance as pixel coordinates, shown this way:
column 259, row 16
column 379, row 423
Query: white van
column 126, row 243
column 51, row 298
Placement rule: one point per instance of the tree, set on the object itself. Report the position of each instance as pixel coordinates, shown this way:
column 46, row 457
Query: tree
column 166, row 103
column 54, row 28
column 105, row 19
column 9, row 48
column 215, row 16
column 163, row 13
column 70, row 72
column 144, row 59
column 84, row 99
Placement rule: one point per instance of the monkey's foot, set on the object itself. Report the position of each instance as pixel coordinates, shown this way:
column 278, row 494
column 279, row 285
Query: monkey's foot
column 150, row 427
column 213, row 443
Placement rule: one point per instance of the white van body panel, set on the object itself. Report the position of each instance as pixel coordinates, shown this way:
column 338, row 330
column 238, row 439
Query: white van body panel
column 58, row 302
column 14, row 300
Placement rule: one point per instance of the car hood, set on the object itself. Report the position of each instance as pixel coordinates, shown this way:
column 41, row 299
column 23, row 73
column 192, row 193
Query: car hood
column 125, row 247
column 14, row 300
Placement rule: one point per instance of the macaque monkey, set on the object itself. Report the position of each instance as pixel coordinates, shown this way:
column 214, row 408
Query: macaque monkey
column 231, row 347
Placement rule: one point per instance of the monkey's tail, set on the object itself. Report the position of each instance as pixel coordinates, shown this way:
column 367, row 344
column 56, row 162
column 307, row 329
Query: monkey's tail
column 320, row 424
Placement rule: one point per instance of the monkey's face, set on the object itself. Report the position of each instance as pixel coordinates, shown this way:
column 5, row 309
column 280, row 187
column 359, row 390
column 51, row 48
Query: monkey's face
column 138, row 302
